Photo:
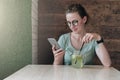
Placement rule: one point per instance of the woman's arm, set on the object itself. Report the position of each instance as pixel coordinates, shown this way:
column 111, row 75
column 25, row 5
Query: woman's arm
column 101, row 51
column 103, row 55
column 58, row 56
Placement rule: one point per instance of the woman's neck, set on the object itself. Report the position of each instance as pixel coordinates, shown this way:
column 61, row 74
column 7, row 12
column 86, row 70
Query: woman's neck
column 78, row 35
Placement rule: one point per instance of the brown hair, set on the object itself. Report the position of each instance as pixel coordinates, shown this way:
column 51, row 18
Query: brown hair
column 77, row 8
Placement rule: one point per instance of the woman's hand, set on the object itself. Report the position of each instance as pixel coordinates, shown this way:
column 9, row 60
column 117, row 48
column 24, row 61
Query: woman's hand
column 90, row 36
column 58, row 55
column 101, row 51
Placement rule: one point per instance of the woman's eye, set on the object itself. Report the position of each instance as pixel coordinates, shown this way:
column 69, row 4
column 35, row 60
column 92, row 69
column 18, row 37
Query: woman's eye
column 75, row 22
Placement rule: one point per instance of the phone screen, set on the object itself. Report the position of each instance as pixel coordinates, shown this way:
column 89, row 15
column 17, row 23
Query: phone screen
column 54, row 42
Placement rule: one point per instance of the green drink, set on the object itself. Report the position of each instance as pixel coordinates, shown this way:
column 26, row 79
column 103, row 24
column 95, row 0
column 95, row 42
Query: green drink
column 77, row 61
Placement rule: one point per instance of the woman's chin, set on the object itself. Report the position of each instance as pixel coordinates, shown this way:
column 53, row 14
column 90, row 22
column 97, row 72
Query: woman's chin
column 75, row 32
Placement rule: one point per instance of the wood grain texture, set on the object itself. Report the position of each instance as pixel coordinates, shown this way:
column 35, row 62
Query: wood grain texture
column 104, row 19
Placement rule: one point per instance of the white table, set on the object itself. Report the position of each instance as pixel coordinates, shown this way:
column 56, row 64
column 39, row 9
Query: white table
column 62, row 72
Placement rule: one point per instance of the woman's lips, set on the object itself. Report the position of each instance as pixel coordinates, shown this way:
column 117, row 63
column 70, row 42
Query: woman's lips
column 75, row 29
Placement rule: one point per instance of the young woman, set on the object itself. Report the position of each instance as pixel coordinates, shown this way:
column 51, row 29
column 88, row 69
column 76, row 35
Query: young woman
column 77, row 17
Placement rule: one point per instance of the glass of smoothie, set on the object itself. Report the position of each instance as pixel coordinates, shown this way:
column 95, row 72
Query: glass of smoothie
column 77, row 60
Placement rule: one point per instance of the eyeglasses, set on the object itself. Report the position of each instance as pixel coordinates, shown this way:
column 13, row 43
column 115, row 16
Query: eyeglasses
column 74, row 23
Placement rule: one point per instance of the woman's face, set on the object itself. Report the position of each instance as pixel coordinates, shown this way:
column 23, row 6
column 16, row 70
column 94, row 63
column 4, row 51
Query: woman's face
column 75, row 22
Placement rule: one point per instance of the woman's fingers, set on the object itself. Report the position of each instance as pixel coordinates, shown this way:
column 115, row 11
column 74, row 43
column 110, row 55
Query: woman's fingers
column 56, row 51
column 88, row 37
column 59, row 53
column 53, row 47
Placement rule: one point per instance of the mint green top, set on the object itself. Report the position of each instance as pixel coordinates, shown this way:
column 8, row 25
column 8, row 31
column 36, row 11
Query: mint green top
column 88, row 49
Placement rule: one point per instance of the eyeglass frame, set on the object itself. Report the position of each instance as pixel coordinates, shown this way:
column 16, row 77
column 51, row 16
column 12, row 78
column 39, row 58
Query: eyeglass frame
column 74, row 23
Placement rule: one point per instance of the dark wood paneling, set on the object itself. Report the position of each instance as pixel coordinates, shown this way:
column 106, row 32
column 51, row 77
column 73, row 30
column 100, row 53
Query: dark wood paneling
column 52, row 30
column 51, row 19
column 110, row 32
column 104, row 19
column 115, row 56
column 45, row 55
column 112, row 45
column 51, row 6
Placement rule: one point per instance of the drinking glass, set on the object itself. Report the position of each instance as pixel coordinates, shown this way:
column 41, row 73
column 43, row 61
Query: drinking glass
column 77, row 60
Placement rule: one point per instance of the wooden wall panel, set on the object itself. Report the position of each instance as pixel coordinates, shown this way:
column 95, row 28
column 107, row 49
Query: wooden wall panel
column 51, row 19
column 104, row 19
column 110, row 32
column 34, row 31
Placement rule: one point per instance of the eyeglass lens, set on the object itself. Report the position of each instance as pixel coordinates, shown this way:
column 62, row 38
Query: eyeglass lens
column 74, row 23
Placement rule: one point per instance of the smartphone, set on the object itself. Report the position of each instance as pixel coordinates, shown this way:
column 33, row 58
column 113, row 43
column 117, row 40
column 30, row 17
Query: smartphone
column 53, row 41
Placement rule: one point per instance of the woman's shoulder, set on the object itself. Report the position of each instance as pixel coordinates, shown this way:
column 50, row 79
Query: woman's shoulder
column 66, row 35
column 63, row 39
column 92, row 43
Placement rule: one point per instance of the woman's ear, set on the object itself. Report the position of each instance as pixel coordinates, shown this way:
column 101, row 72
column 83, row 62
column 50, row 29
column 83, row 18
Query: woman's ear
column 84, row 19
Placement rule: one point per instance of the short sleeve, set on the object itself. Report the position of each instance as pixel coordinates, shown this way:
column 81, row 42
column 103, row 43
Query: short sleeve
column 96, row 45
column 61, row 41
